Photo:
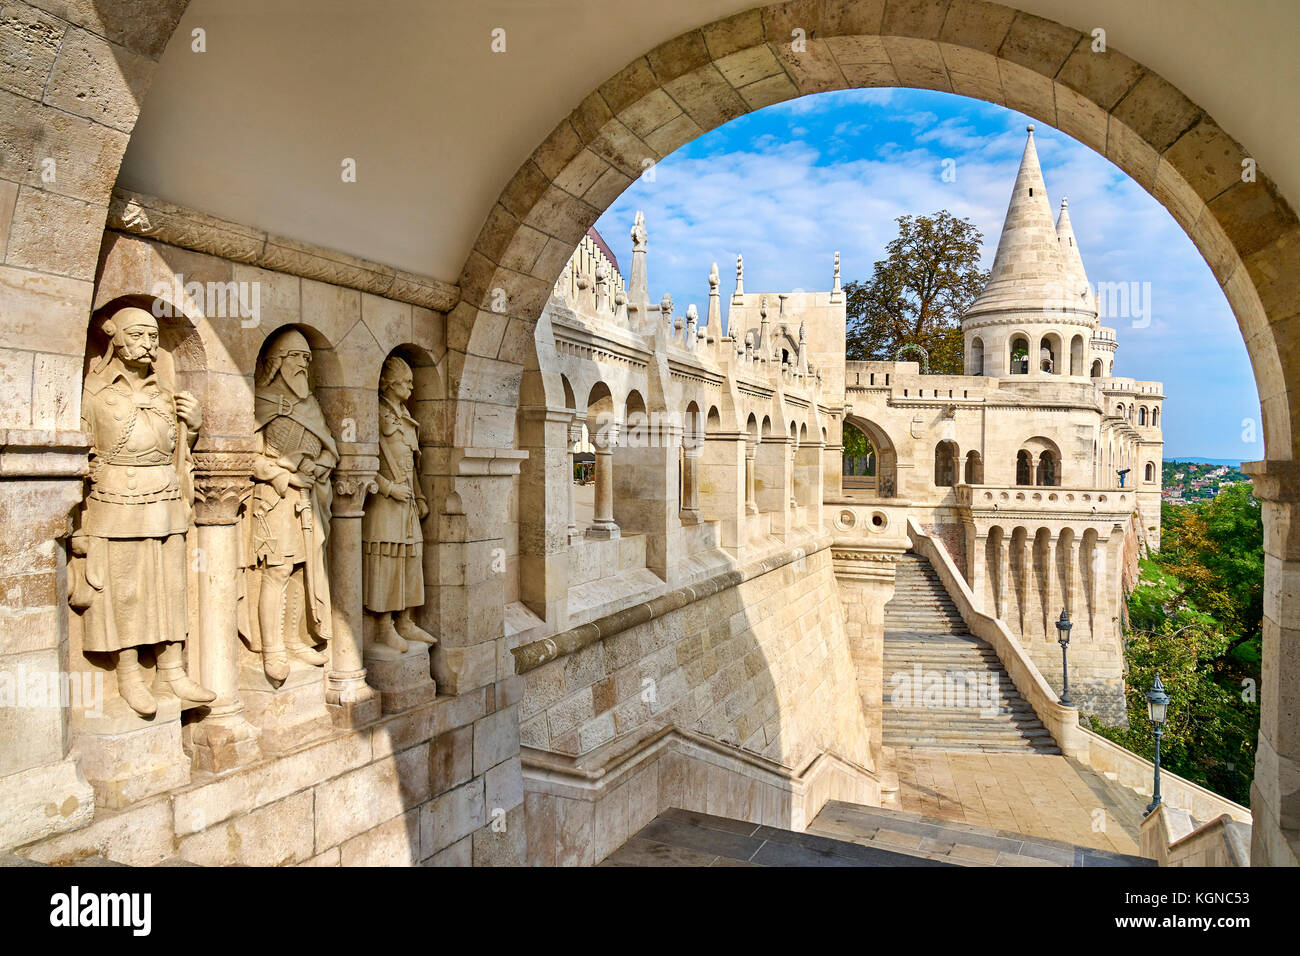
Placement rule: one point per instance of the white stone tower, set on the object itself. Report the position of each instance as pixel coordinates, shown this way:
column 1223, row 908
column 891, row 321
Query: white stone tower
column 1036, row 317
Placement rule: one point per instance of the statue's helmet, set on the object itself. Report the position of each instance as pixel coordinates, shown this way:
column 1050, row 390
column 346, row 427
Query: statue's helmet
column 128, row 318
column 285, row 341
column 115, row 328
column 395, row 368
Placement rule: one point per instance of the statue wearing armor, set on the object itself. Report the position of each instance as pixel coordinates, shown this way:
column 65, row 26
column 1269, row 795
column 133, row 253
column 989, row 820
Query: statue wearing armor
column 129, row 565
column 286, row 514
column 394, row 542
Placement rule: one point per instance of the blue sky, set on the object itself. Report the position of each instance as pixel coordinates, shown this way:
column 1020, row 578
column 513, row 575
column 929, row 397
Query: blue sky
column 790, row 185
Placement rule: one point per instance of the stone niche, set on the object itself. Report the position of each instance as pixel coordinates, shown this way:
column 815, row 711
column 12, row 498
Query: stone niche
column 288, row 410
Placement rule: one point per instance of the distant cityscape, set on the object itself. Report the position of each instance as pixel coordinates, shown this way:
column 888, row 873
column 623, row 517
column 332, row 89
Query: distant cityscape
column 1186, row 482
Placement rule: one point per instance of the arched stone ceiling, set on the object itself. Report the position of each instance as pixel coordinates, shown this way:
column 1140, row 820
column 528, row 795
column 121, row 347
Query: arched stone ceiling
column 255, row 129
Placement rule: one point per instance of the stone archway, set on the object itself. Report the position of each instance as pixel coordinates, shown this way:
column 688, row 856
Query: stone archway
column 1245, row 230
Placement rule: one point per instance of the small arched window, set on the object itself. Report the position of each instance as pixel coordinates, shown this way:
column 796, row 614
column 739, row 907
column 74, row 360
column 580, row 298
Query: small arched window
column 1151, row 471
column 1142, row 415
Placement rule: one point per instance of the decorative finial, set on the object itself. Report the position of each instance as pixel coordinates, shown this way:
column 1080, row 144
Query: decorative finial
column 740, row 275
column 1064, row 202
column 802, row 334
column 1029, row 128
column 638, row 232
column 713, row 279
column 762, row 308
column 666, row 307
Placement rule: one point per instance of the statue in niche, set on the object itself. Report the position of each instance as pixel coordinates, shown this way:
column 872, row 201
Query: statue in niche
column 129, row 566
column 287, row 513
column 390, row 530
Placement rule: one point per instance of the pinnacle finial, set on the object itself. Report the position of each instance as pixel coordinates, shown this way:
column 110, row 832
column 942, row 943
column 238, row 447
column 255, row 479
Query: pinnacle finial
column 1064, row 202
column 638, row 232
column 1030, row 129
column 713, row 279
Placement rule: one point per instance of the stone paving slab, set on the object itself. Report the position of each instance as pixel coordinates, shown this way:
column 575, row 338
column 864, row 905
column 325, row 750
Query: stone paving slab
column 1046, row 799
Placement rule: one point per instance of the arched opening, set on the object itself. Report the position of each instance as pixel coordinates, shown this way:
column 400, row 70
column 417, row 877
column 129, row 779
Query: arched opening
column 1263, row 233
column 1155, row 416
column 1024, row 468
column 1018, row 360
column 1048, row 469
column 975, row 362
column 974, row 468
column 859, row 459
column 883, row 461
column 1096, row 368
column 945, row 464
column 1142, row 415
column 1076, row 355
column 1150, row 472
column 1049, row 354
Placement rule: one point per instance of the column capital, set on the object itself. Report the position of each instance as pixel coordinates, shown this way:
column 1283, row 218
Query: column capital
column 350, row 489
column 221, row 476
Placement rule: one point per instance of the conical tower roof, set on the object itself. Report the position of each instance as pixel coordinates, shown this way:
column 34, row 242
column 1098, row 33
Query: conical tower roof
column 1029, row 274
column 1073, row 260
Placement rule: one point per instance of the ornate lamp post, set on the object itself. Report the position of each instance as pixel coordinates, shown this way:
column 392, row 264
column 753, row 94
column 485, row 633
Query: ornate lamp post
column 1063, row 626
column 1157, row 706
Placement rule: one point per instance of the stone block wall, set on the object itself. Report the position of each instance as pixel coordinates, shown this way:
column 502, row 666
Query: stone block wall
column 764, row 666
column 437, row 785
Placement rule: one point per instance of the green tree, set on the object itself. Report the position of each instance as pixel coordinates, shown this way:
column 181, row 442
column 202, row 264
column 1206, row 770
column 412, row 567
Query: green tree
column 918, row 293
column 1195, row 618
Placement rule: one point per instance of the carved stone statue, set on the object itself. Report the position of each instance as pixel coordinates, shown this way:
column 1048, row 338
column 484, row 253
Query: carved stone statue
column 287, row 513
column 129, row 563
column 390, row 530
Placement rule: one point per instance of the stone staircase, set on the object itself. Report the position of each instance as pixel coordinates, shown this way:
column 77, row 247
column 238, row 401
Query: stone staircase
column 945, row 688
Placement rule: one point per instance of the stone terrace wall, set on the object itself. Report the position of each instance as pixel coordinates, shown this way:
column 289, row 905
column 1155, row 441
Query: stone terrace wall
column 424, row 786
column 764, row 666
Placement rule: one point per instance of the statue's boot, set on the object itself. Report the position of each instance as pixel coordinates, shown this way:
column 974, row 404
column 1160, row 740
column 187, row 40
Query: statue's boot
column 171, row 671
column 308, row 655
column 412, row 631
column 293, row 627
column 270, row 608
column 387, row 644
column 131, row 685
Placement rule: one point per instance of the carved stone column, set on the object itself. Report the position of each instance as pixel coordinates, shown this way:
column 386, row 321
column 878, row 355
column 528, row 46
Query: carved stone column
column 1003, row 590
column 602, row 524
column 1275, row 793
column 690, row 483
column 1052, row 590
column 575, row 436
column 350, row 699
column 223, row 738
column 751, row 502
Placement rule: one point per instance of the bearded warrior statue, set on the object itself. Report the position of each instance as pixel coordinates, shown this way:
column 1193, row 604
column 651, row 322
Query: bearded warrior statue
column 286, row 514
column 394, row 543
column 128, row 569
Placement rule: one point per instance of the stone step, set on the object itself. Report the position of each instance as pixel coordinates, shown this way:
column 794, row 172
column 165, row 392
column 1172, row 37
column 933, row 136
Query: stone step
column 924, row 629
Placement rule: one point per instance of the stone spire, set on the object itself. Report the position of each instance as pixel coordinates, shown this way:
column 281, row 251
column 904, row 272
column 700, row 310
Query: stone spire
column 713, row 324
column 1071, row 258
column 1028, row 272
column 638, row 293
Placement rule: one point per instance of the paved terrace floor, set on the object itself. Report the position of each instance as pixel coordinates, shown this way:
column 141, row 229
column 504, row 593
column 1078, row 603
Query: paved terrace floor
column 1034, row 794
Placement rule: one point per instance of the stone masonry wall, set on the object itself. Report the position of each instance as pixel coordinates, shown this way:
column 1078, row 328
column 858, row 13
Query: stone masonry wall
column 438, row 785
column 764, row 666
